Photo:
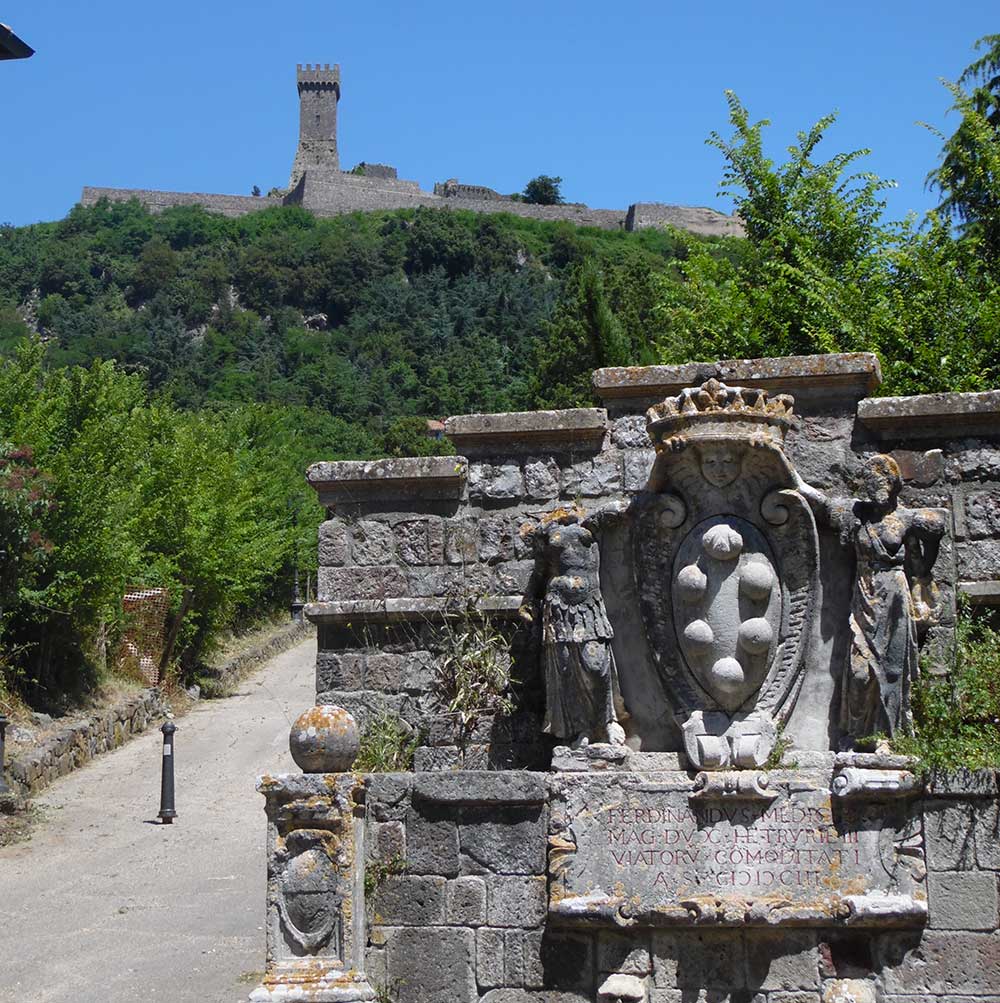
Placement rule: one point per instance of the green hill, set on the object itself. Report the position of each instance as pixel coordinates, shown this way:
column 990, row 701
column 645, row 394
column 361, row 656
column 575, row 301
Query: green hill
column 365, row 318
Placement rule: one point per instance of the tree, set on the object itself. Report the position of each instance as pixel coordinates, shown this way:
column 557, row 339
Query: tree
column 584, row 334
column 812, row 273
column 543, row 190
column 969, row 174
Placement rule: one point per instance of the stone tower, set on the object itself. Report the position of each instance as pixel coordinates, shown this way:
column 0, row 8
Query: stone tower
column 319, row 92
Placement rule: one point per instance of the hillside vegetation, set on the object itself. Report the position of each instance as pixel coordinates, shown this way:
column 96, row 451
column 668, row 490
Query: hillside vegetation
column 165, row 379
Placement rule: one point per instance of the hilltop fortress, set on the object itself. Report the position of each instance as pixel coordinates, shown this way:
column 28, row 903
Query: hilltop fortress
column 318, row 184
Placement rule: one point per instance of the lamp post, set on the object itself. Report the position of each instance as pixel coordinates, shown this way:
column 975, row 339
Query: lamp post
column 297, row 604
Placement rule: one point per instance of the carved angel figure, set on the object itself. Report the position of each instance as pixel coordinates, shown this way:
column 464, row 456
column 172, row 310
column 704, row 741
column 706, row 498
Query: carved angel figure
column 891, row 545
column 582, row 697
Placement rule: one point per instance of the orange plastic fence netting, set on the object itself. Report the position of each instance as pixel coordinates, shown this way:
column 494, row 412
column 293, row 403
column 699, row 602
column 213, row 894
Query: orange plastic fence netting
column 145, row 634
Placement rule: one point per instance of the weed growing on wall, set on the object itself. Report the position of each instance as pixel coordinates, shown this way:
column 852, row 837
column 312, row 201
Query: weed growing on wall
column 474, row 674
column 957, row 717
column 387, row 745
column 377, row 872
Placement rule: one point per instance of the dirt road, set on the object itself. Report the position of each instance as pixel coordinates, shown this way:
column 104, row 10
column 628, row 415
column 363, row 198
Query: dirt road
column 101, row 906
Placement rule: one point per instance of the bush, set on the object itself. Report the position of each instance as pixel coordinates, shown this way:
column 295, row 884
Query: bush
column 120, row 490
column 475, row 668
column 957, row 717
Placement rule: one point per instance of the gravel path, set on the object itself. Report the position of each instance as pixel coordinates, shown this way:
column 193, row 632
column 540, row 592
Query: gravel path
column 101, row 906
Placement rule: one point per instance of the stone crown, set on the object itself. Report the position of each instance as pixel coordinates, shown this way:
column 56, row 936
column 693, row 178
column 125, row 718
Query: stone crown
column 717, row 411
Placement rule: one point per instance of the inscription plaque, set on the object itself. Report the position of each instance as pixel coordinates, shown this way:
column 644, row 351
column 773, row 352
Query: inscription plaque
column 633, row 849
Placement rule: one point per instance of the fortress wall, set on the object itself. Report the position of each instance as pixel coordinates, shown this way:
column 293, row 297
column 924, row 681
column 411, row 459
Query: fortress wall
column 361, row 182
column 378, row 170
column 452, row 189
column 157, row 201
column 332, row 195
column 697, row 219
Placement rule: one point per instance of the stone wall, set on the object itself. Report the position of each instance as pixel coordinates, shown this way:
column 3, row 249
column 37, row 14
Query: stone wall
column 495, row 872
column 375, row 170
column 698, row 219
column 220, row 678
column 157, row 201
column 79, row 742
column 332, row 193
column 453, row 189
column 457, row 863
column 408, row 540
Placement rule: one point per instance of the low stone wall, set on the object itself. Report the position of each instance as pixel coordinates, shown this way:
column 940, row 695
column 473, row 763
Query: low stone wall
column 458, row 911
column 230, row 671
column 79, row 742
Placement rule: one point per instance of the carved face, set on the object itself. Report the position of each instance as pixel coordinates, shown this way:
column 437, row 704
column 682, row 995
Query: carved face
column 720, row 463
column 881, row 481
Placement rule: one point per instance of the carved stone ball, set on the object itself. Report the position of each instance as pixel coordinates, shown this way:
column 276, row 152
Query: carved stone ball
column 755, row 635
column 325, row 739
column 722, row 542
column 756, row 580
column 727, row 674
column 691, row 583
column 699, row 633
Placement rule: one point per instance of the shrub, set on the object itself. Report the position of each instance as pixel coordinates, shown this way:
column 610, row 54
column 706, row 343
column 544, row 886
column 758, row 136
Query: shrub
column 957, row 717
column 474, row 673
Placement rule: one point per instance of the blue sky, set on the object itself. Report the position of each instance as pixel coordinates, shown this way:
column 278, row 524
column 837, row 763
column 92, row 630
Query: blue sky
column 617, row 98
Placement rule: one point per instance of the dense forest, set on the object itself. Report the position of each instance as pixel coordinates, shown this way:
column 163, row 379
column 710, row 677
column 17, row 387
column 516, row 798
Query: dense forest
column 164, row 379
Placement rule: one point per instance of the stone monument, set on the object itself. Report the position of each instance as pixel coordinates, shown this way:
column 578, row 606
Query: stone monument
column 716, row 599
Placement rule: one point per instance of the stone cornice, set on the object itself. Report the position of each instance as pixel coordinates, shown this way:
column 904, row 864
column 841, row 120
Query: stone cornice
column 848, row 375
column 433, row 477
column 407, row 608
column 520, row 431
column 940, row 416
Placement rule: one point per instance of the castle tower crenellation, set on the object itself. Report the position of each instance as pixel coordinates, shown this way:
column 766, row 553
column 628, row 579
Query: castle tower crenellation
column 318, row 76
column 319, row 92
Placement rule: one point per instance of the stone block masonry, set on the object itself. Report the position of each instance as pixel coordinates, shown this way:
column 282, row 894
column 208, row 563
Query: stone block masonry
column 467, row 915
column 328, row 194
column 409, row 541
column 157, row 201
column 81, row 741
column 682, row 860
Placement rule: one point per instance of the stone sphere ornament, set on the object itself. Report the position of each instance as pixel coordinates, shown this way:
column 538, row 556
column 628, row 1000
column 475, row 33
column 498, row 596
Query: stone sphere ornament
column 699, row 633
column 691, row 583
column 722, row 542
column 755, row 635
column 727, row 674
column 325, row 739
column 756, row 580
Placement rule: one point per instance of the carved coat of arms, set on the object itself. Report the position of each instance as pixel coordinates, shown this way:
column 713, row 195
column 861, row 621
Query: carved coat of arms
column 310, row 896
column 726, row 559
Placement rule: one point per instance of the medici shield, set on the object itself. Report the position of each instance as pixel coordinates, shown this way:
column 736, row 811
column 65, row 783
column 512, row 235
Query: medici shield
column 726, row 560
